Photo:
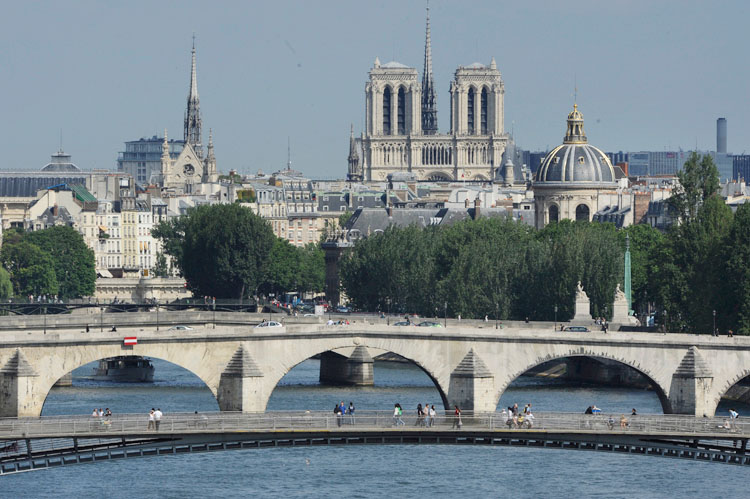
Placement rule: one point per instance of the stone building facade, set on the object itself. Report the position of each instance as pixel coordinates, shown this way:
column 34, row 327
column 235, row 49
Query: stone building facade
column 401, row 133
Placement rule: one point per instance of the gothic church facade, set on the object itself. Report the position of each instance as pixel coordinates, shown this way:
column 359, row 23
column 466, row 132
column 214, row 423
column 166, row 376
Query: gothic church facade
column 401, row 127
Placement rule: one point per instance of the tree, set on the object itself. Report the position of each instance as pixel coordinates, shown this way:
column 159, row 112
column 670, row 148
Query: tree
column 160, row 269
column 220, row 249
column 737, row 285
column 31, row 270
column 73, row 260
column 6, row 286
column 698, row 180
column 282, row 272
column 313, row 269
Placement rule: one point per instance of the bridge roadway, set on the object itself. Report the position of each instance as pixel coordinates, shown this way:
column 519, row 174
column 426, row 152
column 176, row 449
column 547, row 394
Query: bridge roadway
column 471, row 366
column 40, row 443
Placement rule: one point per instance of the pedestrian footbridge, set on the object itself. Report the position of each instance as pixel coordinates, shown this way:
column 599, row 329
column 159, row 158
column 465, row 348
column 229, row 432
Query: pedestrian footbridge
column 40, row 443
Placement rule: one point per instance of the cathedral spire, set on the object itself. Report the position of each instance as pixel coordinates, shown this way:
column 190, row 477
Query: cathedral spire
column 429, row 101
column 193, row 132
column 354, row 171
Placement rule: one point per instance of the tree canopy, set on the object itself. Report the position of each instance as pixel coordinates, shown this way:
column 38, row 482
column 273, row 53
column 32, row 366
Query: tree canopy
column 54, row 261
column 227, row 251
column 220, row 249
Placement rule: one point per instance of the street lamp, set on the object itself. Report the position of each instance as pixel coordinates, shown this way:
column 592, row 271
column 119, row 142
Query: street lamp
column 714, row 333
column 101, row 319
column 496, row 309
column 445, row 314
column 157, row 314
column 555, row 317
column 45, row 319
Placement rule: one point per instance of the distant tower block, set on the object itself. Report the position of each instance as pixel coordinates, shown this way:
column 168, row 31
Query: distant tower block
column 721, row 135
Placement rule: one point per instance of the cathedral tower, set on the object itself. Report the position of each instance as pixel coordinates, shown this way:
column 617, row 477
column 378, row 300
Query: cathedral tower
column 193, row 132
column 355, row 173
column 429, row 101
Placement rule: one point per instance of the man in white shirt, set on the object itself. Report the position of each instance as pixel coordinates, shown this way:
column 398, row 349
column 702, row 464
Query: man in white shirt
column 157, row 418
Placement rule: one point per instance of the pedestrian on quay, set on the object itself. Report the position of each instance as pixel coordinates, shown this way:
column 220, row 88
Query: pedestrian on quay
column 420, row 416
column 350, row 411
column 397, row 412
column 623, row 422
column 95, row 414
column 107, row 413
column 634, row 412
column 457, row 423
column 733, row 415
column 151, row 422
column 337, row 412
column 157, row 418
column 433, row 413
column 611, row 422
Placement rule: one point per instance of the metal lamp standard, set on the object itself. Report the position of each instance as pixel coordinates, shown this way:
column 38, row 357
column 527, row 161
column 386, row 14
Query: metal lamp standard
column 555, row 317
column 714, row 313
column 445, row 314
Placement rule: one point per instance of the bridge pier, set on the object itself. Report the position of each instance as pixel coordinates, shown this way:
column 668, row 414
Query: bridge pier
column 472, row 385
column 357, row 369
column 691, row 386
column 241, row 385
column 16, row 387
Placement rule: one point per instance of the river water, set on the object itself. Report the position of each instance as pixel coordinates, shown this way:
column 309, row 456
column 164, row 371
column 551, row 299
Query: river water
column 373, row 471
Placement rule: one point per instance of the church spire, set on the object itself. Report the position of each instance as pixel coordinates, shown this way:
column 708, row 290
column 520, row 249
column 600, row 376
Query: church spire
column 193, row 132
column 429, row 101
column 354, row 171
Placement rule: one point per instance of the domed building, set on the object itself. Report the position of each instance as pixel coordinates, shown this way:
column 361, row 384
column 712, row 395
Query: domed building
column 573, row 177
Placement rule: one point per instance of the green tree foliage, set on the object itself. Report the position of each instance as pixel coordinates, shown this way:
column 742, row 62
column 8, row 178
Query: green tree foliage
column 282, row 272
column 73, row 261
column 737, row 271
column 491, row 267
column 698, row 180
column 6, row 286
column 313, row 269
column 221, row 250
column 160, row 269
column 32, row 271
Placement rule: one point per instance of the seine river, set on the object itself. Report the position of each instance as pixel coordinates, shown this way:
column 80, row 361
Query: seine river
column 377, row 471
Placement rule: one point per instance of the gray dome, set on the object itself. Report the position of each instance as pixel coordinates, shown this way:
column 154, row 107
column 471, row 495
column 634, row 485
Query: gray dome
column 576, row 161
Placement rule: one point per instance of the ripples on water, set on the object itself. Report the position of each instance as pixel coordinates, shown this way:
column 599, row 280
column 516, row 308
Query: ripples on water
column 366, row 471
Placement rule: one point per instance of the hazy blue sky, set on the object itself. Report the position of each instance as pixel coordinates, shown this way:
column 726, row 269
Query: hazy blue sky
column 650, row 74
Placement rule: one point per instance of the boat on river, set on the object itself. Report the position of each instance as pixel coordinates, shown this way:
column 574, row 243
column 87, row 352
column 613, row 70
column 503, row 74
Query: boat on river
column 125, row 368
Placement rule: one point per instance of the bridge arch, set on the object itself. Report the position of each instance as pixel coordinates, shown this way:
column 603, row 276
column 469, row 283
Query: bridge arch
column 661, row 391
column 724, row 388
column 408, row 352
column 192, row 358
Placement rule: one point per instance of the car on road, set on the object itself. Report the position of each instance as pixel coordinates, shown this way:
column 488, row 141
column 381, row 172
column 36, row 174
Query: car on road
column 343, row 310
column 403, row 323
column 180, row 328
column 577, row 329
column 429, row 324
column 269, row 324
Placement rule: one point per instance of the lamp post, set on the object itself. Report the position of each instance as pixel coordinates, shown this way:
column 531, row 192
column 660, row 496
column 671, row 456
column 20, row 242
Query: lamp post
column 101, row 319
column 445, row 314
column 714, row 333
column 45, row 319
column 496, row 309
column 213, row 305
column 555, row 317
column 666, row 322
column 157, row 314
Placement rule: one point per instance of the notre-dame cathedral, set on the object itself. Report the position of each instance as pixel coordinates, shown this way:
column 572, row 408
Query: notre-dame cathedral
column 401, row 127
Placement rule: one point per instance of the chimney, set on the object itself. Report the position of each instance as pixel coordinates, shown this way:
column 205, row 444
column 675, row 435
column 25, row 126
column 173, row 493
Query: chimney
column 466, row 203
column 54, row 211
column 721, row 135
column 477, row 203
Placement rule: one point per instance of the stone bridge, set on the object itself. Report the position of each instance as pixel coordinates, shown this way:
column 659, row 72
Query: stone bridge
column 470, row 366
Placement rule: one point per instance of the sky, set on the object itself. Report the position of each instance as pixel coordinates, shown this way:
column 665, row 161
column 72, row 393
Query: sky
column 649, row 75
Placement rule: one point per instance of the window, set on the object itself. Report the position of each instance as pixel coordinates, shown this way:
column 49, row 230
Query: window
column 582, row 212
column 401, row 111
column 342, row 207
column 553, row 214
column 387, row 111
column 483, row 112
column 470, row 110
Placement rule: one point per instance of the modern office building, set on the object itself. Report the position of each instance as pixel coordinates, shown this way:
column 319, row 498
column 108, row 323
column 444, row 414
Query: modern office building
column 741, row 167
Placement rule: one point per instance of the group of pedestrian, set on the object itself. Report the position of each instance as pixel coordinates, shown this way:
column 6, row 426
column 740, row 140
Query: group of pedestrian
column 425, row 415
column 101, row 413
column 341, row 410
column 154, row 419
column 518, row 419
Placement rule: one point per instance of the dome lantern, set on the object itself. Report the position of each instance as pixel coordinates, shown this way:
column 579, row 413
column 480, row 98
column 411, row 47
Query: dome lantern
column 575, row 134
